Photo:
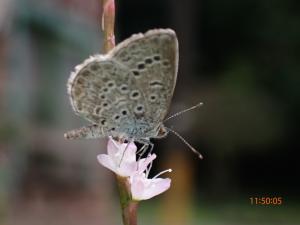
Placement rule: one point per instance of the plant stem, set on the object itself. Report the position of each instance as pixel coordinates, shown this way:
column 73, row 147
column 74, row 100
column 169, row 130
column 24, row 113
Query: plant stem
column 108, row 24
column 129, row 206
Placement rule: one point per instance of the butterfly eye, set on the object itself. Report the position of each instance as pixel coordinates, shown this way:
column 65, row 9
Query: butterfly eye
column 162, row 132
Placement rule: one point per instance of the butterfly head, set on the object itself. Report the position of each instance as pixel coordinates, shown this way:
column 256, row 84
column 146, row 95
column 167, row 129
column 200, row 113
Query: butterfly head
column 162, row 131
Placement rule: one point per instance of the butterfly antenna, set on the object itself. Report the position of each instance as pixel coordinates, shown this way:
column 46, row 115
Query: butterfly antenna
column 184, row 111
column 184, row 141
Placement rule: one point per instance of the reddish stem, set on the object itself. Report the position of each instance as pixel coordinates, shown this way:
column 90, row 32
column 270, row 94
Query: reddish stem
column 108, row 24
column 129, row 206
column 130, row 213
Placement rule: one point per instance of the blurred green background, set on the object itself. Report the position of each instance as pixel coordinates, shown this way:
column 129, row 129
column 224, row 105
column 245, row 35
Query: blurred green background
column 241, row 58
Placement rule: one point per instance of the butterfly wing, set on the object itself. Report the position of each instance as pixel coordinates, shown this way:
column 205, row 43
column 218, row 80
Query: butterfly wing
column 153, row 60
column 99, row 90
column 129, row 90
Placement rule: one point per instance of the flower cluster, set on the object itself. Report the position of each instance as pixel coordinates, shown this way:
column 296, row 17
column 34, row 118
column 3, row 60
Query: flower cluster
column 121, row 159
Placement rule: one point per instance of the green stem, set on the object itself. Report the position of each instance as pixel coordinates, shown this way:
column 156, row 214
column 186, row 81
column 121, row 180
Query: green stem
column 129, row 206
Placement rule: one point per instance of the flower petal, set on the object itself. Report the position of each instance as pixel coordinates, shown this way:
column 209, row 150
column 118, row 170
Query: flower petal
column 106, row 161
column 118, row 160
column 126, row 169
column 112, row 147
column 137, row 188
column 143, row 163
column 143, row 188
column 157, row 186
column 116, row 151
column 130, row 153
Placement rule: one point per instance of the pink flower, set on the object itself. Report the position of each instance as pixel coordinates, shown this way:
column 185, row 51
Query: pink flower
column 121, row 158
column 143, row 188
column 144, row 163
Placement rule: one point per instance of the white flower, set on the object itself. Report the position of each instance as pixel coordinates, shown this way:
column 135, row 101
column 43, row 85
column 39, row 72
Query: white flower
column 121, row 158
column 143, row 188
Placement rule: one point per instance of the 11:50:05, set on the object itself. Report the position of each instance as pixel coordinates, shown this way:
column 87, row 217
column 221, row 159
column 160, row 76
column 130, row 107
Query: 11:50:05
column 266, row 200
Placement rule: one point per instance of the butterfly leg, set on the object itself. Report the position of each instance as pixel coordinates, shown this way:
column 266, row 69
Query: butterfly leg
column 142, row 150
column 151, row 148
column 124, row 153
column 146, row 145
column 88, row 132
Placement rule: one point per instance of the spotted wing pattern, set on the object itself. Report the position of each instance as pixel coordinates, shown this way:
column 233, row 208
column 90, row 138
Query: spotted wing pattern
column 127, row 92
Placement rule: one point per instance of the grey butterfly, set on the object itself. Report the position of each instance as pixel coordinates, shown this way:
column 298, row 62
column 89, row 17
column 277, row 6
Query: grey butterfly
column 127, row 92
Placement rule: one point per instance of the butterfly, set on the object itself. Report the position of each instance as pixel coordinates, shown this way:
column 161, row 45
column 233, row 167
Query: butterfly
column 127, row 92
